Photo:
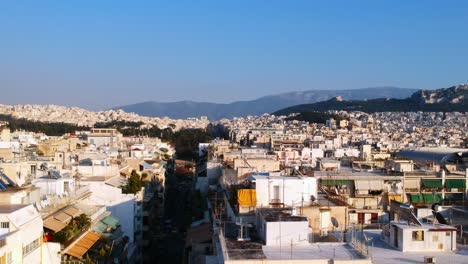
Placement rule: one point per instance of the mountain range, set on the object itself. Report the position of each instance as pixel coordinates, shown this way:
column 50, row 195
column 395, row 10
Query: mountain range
column 450, row 99
column 266, row 104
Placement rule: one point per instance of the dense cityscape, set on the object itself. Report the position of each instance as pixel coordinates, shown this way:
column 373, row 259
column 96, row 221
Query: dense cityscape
column 364, row 188
column 233, row 132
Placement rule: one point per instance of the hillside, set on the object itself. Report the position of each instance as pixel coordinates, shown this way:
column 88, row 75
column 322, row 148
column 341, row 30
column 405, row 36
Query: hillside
column 266, row 104
column 450, row 99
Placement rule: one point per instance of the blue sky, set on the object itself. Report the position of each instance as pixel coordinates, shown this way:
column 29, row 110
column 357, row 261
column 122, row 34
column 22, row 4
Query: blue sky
column 99, row 54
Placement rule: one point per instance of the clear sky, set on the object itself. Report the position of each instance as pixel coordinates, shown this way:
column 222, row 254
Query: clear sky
column 98, row 54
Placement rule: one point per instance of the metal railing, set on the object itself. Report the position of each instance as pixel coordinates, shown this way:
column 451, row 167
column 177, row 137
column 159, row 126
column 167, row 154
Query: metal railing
column 359, row 241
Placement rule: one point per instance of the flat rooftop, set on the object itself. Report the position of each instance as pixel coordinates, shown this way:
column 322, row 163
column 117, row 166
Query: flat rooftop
column 430, row 226
column 348, row 173
column 280, row 215
column 315, row 251
column 272, row 177
column 10, row 208
column 382, row 253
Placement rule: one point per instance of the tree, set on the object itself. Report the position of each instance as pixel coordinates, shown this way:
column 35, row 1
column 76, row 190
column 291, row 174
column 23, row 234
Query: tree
column 82, row 221
column 134, row 183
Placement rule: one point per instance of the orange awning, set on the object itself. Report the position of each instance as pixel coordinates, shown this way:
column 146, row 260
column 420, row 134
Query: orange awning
column 396, row 197
column 247, row 197
column 83, row 245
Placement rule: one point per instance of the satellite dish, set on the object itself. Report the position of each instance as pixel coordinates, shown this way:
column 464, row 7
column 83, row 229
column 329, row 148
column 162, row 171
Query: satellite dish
column 436, row 208
column 335, row 222
column 44, row 166
column 312, row 198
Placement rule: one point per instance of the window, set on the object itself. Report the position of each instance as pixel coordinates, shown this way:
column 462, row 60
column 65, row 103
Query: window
column 30, row 247
column 448, row 233
column 435, row 238
column 4, row 224
column 418, row 235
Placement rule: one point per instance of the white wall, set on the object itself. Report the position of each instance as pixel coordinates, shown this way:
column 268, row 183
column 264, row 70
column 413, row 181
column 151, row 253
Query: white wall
column 120, row 205
column 111, row 170
column 433, row 241
column 50, row 186
column 286, row 232
column 292, row 190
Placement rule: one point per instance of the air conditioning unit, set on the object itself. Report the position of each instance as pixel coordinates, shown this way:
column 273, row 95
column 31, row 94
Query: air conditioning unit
column 429, row 259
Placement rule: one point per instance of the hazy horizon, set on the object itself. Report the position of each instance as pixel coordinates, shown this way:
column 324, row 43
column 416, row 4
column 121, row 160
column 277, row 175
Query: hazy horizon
column 99, row 55
column 196, row 101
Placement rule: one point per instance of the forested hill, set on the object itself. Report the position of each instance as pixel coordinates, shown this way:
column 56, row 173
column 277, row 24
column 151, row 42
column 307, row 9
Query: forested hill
column 442, row 100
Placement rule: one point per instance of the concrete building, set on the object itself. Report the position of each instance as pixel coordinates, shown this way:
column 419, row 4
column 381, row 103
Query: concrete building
column 277, row 227
column 21, row 237
column 278, row 191
column 104, row 137
column 416, row 238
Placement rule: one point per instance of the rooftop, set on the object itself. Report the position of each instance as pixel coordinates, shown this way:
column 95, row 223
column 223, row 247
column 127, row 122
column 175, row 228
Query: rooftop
column 381, row 253
column 272, row 177
column 10, row 208
column 280, row 215
column 315, row 251
column 425, row 225
column 350, row 173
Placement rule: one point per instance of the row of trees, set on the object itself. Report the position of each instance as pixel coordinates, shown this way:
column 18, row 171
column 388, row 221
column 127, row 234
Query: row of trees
column 185, row 141
column 50, row 129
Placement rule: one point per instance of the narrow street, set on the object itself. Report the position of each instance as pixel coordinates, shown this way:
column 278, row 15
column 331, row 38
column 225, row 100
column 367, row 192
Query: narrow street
column 169, row 236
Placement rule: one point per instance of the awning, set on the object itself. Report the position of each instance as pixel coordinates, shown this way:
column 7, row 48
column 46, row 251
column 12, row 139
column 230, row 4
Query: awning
column 432, row 198
column 395, row 197
column 100, row 227
column 368, row 184
column 454, row 196
column 72, row 211
column 429, row 183
column 417, row 198
column 335, row 182
column 361, row 185
column 376, row 185
column 412, row 184
column 111, row 221
column 54, row 224
column 455, row 183
column 247, row 197
column 63, row 217
column 83, row 245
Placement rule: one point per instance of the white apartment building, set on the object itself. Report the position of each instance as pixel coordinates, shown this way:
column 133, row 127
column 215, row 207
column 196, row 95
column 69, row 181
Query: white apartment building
column 21, row 237
column 292, row 191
